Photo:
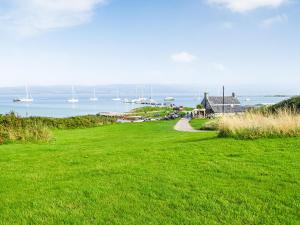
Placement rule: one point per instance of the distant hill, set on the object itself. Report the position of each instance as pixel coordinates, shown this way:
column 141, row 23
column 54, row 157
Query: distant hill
column 291, row 103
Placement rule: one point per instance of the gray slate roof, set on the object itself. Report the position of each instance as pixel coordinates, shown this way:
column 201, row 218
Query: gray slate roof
column 231, row 104
column 217, row 100
column 228, row 108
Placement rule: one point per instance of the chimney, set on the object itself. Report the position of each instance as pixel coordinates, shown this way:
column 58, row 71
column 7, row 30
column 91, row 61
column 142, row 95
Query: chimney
column 233, row 94
column 205, row 99
column 223, row 107
column 205, row 95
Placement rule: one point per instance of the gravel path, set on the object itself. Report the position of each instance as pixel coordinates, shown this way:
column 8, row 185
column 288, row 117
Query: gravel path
column 184, row 126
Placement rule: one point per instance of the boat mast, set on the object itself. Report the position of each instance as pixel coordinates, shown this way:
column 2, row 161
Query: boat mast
column 136, row 92
column 73, row 92
column 27, row 94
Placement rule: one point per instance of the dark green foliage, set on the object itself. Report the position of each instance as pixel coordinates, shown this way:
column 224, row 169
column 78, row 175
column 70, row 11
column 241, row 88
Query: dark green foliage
column 200, row 106
column 292, row 104
column 73, row 122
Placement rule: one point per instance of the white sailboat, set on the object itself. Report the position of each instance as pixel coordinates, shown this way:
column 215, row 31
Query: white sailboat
column 73, row 99
column 141, row 99
column 136, row 99
column 151, row 100
column 128, row 101
column 169, row 99
column 28, row 97
column 118, row 97
column 94, row 98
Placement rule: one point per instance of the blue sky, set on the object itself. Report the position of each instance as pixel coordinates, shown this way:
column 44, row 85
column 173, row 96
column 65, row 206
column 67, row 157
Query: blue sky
column 207, row 42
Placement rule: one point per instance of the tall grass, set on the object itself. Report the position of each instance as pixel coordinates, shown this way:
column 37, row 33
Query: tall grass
column 15, row 128
column 252, row 125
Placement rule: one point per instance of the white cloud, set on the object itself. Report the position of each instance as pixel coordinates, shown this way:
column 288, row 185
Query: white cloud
column 30, row 17
column 183, row 57
column 247, row 5
column 279, row 19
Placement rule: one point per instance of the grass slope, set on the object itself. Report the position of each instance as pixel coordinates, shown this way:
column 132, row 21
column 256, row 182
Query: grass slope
column 291, row 103
column 149, row 174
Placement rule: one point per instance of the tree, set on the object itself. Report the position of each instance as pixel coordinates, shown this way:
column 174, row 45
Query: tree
column 200, row 106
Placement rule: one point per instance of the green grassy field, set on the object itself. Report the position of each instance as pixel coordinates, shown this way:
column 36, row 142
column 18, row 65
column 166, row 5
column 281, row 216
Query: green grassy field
column 198, row 123
column 149, row 174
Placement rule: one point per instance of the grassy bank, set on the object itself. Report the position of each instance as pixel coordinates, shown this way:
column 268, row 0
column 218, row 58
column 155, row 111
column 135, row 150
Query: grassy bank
column 151, row 111
column 204, row 124
column 14, row 128
column 87, row 121
column 149, row 174
column 157, row 111
column 253, row 125
column 198, row 123
column 38, row 129
column 292, row 104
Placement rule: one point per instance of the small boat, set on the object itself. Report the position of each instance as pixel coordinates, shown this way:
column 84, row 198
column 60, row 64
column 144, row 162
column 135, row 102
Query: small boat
column 73, row 99
column 94, row 98
column 27, row 99
column 135, row 101
column 152, row 102
column 169, row 99
column 140, row 101
column 126, row 100
column 118, row 97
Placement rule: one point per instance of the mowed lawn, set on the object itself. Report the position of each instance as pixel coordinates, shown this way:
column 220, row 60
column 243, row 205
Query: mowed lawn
column 149, row 174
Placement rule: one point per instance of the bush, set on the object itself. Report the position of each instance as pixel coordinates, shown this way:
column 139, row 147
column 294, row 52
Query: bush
column 292, row 104
column 252, row 125
column 200, row 106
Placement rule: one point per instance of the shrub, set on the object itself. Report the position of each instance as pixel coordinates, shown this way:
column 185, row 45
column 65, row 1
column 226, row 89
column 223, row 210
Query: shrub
column 200, row 106
column 292, row 104
column 252, row 125
column 73, row 122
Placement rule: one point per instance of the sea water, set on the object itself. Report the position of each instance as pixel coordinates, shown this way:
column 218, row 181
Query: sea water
column 52, row 101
